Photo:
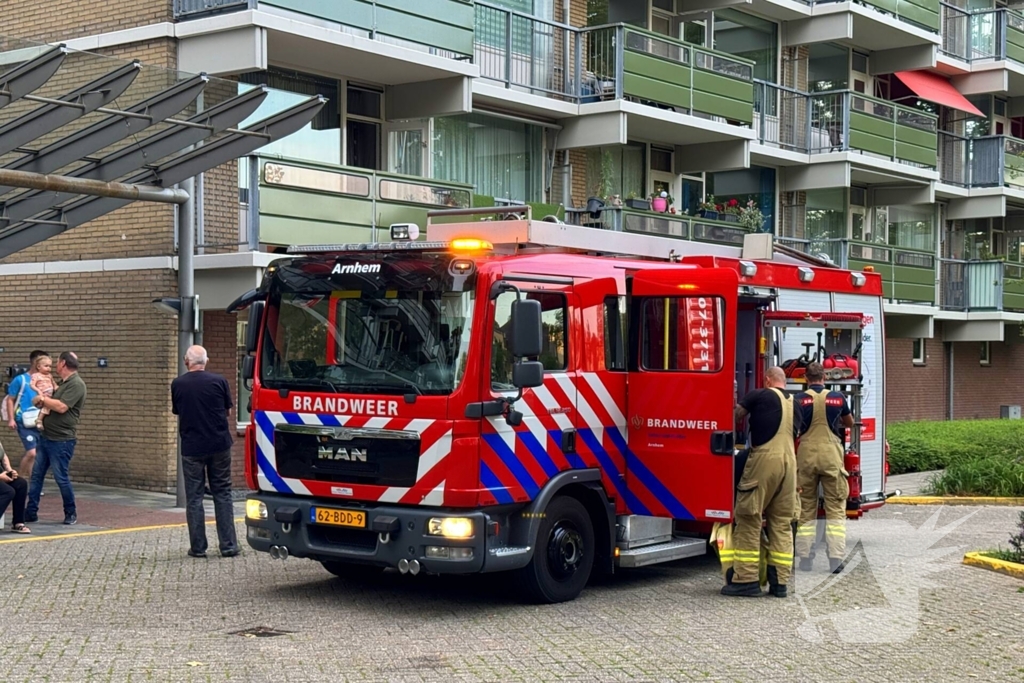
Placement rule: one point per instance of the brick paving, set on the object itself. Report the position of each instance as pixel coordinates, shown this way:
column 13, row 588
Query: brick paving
column 131, row 607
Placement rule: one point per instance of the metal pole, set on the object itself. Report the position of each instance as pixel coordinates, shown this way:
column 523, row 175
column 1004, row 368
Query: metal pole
column 99, row 188
column 186, row 291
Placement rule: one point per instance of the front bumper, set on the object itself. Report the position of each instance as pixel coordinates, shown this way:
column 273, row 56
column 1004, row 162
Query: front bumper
column 408, row 541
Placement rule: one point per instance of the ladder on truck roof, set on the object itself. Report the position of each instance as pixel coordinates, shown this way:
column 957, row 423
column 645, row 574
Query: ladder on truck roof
column 515, row 231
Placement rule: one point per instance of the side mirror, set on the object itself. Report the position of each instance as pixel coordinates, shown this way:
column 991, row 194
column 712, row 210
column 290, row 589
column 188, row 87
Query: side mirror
column 248, row 368
column 252, row 329
column 526, row 336
column 527, row 374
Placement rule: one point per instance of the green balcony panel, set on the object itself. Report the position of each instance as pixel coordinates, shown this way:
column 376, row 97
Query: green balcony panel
column 442, row 24
column 922, row 12
column 1015, row 44
column 916, row 145
column 720, row 95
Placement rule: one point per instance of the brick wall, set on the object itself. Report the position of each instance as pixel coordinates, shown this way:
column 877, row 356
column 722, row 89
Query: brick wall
column 220, row 341
column 981, row 389
column 54, row 21
column 915, row 392
column 127, row 435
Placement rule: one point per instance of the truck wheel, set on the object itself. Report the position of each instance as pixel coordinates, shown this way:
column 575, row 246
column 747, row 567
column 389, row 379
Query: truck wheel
column 353, row 570
column 564, row 554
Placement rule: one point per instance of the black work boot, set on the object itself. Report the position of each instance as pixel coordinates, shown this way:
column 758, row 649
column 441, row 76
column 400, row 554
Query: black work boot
column 806, row 564
column 746, row 590
column 728, row 576
column 836, row 565
column 779, row 590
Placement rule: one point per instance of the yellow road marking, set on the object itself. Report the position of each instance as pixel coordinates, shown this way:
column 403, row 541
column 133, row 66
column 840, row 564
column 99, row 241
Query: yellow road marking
column 28, row 537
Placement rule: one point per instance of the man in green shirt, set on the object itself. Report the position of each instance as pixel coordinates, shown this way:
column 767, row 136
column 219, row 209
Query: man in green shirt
column 58, row 437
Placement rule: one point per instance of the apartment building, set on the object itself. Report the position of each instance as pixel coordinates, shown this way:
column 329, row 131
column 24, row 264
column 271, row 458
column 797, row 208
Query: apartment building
column 883, row 134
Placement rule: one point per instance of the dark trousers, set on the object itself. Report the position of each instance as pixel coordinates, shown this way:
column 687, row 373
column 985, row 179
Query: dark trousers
column 196, row 469
column 55, row 454
column 17, row 491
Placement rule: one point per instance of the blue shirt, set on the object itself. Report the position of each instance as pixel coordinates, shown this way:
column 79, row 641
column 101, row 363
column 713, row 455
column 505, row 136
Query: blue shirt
column 835, row 409
column 26, row 396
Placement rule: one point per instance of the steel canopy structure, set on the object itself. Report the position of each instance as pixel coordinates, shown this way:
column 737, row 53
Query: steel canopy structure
column 52, row 180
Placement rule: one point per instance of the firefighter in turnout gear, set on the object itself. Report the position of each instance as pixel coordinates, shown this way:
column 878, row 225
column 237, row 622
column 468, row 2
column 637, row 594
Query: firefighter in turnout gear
column 767, row 489
column 825, row 416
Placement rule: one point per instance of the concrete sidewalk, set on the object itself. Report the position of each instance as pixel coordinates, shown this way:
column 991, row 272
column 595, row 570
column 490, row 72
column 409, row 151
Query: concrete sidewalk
column 107, row 507
column 913, row 484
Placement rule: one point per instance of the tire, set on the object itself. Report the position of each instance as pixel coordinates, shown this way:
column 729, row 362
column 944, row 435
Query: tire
column 564, row 554
column 352, row 570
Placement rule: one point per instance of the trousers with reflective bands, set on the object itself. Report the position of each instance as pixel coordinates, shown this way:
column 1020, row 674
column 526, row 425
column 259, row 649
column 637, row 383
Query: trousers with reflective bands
column 820, row 463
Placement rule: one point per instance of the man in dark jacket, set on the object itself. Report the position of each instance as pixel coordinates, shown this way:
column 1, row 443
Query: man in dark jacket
column 202, row 401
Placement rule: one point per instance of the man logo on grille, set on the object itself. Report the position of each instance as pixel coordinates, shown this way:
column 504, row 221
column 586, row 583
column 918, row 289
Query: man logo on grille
column 349, row 454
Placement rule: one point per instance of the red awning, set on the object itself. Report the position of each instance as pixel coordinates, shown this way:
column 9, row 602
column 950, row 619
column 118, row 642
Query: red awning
column 935, row 88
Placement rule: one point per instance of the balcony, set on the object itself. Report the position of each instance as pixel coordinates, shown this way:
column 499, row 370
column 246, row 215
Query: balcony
column 391, row 42
column 908, row 275
column 990, row 161
column 982, row 286
column 297, row 202
column 991, row 42
column 622, row 219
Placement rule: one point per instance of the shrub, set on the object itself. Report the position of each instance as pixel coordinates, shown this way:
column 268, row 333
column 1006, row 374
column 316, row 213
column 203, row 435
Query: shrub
column 924, row 446
column 979, row 457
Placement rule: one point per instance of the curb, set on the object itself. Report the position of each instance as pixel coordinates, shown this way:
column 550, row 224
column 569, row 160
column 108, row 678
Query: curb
column 992, row 564
column 955, row 500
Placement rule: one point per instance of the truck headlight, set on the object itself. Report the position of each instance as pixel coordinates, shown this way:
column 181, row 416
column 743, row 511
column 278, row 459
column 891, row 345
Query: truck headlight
column 450, row 527
column 255, row 509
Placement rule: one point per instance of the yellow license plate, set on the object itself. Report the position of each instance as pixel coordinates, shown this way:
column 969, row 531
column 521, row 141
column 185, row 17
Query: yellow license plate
column 335, row 517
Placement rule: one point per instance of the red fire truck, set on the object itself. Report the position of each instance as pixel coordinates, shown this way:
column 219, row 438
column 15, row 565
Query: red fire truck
column 529, row 396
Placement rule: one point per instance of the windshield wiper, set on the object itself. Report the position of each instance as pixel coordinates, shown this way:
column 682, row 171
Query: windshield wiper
column 306, row 382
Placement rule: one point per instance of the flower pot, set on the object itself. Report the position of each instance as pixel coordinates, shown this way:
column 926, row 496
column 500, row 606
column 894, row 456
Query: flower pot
column 639, row 204
column 710, row 215
column 659, row 204
column 731, row 218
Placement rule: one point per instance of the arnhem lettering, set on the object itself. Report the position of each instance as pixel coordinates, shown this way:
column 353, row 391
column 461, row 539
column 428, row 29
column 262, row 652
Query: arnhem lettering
column 345, row 406
column 354, row 268
column 682, row 424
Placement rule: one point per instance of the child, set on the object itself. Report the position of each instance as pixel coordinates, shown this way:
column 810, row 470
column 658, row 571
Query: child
column 42, row 383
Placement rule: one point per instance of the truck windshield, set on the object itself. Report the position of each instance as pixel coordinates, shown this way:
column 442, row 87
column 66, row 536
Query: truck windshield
column 396, row 329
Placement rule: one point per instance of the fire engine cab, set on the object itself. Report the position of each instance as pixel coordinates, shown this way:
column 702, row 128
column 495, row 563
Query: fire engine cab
column 524, row 395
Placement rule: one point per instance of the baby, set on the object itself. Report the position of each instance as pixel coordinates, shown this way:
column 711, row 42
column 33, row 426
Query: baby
column 42, row 384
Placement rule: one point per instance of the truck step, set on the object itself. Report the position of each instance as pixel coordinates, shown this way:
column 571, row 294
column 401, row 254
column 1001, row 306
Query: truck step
column 676, row 549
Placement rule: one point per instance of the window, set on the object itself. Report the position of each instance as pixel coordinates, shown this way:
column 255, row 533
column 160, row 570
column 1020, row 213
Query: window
column 500, row 158
column 242, row 414
column 912, row 226
column 362, row 126
column 617, row 170
column 746, row 36
column 986, row 353
column 682, row 333
column 616, row 326
column 554, row 352
column 755, row 184
column 919, row 352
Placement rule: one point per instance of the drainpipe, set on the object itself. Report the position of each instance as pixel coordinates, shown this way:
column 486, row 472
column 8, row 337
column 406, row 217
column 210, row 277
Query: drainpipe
column 950, row 415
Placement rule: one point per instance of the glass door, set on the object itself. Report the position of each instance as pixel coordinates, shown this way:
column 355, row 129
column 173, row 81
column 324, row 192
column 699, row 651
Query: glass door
column 409, row 147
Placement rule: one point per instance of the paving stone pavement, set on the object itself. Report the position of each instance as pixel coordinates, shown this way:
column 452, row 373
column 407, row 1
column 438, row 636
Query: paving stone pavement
column 131, row 606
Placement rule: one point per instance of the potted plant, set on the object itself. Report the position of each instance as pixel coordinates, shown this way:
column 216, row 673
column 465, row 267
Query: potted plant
column 732, row 211
column 708, row 209
column 751, row 217
column 634, row 202
column 660, row 202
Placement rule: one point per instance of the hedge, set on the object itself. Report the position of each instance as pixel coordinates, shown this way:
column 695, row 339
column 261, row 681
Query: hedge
column 979, row 457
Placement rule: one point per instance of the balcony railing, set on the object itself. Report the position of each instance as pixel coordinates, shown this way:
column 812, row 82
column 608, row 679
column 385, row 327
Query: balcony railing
column 622, row 219
column 988, row 34
column 286, row 201
column 526, row 53
column 442, row 27
column 841, row 121
column 982, row 285
column 908, row 275
column 922, row 13
column 990, row 161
